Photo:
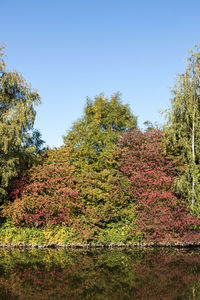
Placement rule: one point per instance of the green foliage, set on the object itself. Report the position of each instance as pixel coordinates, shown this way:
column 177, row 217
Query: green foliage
column 90, row 146
column 183, row 130
column 18, row 142
column 121, row 232
column 10, row 234
column 91, row 139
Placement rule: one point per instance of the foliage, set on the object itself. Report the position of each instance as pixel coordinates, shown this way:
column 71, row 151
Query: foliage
column 91, row 139
column 49, row 197
column 90, row 146
column 87, row 222
column 120, row 232
column 183, row 130
column 108, row 183
column 18, row 141
column 161, row 215
column 76, row 233
column 10, row 234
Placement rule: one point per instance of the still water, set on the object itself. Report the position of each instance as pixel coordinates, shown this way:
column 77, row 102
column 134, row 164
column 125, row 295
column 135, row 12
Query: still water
column 149, row 274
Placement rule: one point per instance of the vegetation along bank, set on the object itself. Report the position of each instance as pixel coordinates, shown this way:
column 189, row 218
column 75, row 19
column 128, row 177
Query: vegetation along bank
column 110, row 183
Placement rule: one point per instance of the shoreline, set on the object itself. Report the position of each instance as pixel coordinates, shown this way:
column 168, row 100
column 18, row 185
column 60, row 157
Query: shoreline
column 100, row 246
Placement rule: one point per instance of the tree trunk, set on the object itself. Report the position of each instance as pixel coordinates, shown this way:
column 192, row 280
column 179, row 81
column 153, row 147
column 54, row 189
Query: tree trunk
column 193, row 158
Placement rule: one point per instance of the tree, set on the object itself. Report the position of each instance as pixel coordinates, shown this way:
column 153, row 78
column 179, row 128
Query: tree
column 183, row 129
column 91, row 148
column 47, row 196
column 92, row 138
column 150, row 126
column 18, row 141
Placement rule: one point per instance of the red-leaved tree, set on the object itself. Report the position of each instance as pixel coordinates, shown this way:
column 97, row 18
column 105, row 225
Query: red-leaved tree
column 161, row 215
column 47, row 197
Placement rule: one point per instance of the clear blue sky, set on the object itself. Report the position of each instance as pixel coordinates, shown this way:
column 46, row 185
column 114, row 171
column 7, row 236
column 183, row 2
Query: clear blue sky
column 71, row 49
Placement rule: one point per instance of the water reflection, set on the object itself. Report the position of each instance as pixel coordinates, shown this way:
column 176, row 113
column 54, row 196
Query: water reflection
column 100, row 274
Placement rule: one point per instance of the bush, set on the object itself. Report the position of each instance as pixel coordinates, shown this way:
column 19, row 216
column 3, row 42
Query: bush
column 49, row 198
column 10, row 234
column 161, row 216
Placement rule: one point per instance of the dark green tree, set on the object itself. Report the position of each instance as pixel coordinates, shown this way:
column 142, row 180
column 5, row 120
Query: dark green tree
column 19, row 143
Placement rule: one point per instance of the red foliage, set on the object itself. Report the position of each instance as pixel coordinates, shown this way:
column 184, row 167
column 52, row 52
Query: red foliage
column 48, row 198
column 161, row 215
column 18, row 184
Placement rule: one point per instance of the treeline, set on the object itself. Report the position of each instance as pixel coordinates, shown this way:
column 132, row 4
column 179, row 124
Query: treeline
column 110, row 182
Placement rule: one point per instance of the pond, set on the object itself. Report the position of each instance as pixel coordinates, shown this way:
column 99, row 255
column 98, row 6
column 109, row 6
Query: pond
column 155, row 273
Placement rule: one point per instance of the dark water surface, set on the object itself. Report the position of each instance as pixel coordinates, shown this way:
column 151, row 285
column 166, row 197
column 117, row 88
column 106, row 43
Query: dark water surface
column 100, row 274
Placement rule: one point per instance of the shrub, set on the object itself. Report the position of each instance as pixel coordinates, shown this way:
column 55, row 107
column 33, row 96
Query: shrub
column 161, row 215
column 49, row 198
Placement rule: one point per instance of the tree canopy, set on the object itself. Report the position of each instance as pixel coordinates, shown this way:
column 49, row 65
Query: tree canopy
column 183, row 129
column 18, row 140
column 92, row 138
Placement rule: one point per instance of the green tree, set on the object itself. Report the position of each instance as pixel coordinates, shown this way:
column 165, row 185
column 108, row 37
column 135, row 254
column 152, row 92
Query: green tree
column 92, row 149
column 18, row 141
column 92, row 138
column 183, row 129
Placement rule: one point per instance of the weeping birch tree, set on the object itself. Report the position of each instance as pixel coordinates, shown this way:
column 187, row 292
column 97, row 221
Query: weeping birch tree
column 18, row 141
column 183, row 129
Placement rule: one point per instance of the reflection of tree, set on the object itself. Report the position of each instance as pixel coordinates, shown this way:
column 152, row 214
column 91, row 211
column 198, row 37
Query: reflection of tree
column 169, row 275
column 114, row 274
